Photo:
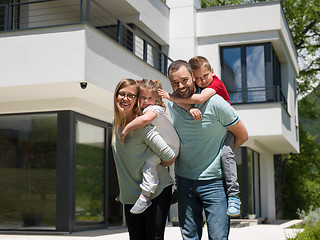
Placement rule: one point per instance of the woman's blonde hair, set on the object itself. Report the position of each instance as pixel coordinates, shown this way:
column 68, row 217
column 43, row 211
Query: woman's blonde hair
column 119, row 116
column 153, row 86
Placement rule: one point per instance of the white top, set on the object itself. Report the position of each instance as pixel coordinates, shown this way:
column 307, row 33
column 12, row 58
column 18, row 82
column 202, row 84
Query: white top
column 164, row 127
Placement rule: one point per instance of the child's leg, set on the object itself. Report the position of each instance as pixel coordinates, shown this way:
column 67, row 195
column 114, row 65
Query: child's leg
column 150, row 178
column 230, row 173
column 148, row 186
column 174, row 197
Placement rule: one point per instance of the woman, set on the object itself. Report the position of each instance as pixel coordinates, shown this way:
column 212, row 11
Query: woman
column 141, row 144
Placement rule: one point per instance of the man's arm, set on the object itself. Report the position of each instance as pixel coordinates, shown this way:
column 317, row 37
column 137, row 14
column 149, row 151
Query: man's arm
column 240, row 134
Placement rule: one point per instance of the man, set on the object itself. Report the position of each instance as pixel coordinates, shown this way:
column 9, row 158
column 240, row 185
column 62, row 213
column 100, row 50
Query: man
column 198, row 166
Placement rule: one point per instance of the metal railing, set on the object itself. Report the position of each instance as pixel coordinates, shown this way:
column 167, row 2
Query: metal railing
column 52, row 13
column 257, row 95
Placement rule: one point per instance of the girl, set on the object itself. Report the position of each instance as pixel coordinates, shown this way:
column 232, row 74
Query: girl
column 153, row 112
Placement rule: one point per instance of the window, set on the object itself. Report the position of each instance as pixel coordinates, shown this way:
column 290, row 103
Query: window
column 57, row 173
column 251, row 73
column 248, row 169
column 28, row 152
column 90, row 177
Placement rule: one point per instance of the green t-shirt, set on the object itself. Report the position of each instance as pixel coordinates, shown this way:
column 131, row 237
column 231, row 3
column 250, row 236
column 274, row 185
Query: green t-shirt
column 201, row 141
column 140, row 145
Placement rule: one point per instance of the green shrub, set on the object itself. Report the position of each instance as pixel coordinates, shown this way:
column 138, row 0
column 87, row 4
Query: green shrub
column 311, row 232
column 311, row 217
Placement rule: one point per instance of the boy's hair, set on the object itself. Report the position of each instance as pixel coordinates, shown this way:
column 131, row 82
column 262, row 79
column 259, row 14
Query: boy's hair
column 199, row 62
column 153, row 86
column 175, row 66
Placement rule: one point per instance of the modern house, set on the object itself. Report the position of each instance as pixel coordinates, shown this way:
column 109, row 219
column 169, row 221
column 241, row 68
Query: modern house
column 60, row 62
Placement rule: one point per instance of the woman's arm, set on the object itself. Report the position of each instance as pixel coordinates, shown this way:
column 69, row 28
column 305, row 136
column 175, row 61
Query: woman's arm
column 194, row 99
column 138, row 122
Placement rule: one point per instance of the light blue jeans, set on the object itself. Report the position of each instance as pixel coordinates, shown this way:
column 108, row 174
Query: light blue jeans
column 194, row 196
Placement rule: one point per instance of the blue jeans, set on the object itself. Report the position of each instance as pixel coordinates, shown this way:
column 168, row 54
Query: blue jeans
column 194, row 196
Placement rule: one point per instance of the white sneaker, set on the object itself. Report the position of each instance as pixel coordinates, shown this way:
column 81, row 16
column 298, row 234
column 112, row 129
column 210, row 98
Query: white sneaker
column 140, row 206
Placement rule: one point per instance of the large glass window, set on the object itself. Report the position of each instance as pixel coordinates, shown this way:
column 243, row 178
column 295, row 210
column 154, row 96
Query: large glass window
column 90, row 174
column 28, row 149
column 251, row 73
column 248, row 169
column 57, row 173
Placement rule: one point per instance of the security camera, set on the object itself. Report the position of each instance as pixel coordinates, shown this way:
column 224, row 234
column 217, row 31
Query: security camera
column 83, row 84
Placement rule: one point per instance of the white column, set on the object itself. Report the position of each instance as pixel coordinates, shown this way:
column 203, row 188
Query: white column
column 268, row 206
column 183, row 18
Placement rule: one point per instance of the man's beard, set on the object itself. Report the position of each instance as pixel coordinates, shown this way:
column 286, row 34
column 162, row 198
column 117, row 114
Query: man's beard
column 187, row 92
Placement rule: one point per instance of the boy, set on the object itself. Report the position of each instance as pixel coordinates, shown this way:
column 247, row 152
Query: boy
column 208, row 84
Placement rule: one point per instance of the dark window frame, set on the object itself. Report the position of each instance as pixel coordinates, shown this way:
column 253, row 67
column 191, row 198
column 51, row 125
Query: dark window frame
column 248, row 184
column 66, row 169
column 272, row 76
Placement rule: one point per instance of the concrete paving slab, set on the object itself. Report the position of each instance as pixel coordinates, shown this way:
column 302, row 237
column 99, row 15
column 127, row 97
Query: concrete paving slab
column 276, row 231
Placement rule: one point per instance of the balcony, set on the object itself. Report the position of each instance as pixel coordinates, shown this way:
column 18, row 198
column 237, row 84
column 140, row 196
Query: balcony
column 257, row 95
column 53, row 13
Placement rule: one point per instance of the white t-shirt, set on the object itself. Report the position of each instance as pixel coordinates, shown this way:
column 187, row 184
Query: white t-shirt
column 164, row 127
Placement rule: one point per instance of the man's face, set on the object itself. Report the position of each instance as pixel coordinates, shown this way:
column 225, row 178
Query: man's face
column 182, row 82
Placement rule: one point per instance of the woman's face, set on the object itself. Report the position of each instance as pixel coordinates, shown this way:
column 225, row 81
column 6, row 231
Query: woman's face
column 127, row 98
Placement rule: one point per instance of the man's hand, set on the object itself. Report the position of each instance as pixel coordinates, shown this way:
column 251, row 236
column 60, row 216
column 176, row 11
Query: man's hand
column 195, row 113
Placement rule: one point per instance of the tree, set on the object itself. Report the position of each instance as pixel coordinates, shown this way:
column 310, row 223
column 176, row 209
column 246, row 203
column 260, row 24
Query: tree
column 304, row 23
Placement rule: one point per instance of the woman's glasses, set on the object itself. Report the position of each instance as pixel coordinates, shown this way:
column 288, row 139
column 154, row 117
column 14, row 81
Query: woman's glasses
column 129, row 96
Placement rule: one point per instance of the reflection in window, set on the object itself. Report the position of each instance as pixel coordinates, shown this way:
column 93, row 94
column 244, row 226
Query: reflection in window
column 256, row 81
column 232, row 73
column 28, row 148
column 90, row 176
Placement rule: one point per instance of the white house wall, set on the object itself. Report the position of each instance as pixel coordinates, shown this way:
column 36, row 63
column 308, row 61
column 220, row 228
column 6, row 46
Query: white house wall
column 153, row 19
column 41, row 56
column 107, row 63
column 41, row 70
column 183, row 37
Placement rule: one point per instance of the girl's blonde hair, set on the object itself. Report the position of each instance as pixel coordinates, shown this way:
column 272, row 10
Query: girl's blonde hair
column 119, row 116
column 153, row 86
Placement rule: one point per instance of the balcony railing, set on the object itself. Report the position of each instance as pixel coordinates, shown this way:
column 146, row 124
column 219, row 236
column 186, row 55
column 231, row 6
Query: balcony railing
column 257, row 95
column 52, row 13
